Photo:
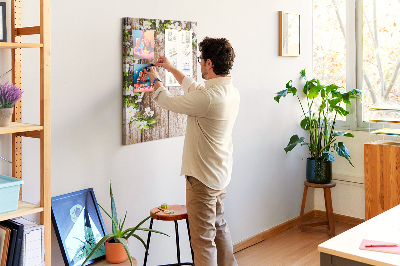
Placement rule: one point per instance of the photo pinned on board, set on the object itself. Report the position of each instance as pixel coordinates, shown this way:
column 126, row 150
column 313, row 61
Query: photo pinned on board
column 143, row 42
column 141, row 81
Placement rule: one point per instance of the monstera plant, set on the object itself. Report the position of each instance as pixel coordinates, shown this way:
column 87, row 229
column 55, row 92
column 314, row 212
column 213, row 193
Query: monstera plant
column 323, row 105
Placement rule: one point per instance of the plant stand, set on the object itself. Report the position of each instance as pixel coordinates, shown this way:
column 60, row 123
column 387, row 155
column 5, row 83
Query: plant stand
column 311, row 227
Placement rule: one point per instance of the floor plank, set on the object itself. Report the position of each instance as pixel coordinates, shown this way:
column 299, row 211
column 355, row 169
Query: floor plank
column 288, row 248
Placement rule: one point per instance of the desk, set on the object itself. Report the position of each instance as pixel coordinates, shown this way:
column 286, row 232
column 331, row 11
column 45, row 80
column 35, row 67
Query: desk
column 344, row 248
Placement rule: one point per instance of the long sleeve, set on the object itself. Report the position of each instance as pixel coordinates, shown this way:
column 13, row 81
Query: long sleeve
column 194, row 103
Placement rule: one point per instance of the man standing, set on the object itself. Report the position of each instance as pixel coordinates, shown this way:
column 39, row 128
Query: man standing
column 207, row 154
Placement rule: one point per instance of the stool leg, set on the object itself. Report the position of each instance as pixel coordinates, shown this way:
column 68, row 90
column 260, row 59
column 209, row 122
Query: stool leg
column 329, row 211
column 303, row 204
column 178, row 252
column 148, row 242
column 190, row 240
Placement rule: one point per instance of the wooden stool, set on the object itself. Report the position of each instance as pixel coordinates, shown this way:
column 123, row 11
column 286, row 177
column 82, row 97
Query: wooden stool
column 180, row 213
column 328, row 207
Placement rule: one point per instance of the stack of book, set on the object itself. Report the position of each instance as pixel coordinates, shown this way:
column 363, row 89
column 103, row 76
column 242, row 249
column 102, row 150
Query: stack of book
column 21, row 243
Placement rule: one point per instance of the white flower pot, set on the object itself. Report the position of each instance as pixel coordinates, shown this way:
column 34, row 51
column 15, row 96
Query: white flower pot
column 5, row 116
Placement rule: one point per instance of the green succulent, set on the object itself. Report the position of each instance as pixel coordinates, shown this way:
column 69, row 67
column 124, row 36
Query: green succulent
column 118, row 233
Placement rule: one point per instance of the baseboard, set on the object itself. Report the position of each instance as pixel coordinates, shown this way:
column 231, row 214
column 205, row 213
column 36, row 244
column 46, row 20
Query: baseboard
column 271, row 232
column 340, row 218
column 289, row 224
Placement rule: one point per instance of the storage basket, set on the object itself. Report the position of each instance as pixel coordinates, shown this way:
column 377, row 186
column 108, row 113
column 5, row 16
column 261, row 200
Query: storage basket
column 9, row 193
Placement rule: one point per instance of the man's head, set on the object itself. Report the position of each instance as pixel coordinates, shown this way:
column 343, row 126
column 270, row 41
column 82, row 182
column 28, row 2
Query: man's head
column 217, row 57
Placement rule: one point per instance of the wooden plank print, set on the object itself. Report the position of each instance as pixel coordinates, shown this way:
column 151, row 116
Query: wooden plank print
column 143, row 119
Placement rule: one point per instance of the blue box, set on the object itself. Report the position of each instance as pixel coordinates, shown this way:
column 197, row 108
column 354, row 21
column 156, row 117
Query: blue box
column 9, row 193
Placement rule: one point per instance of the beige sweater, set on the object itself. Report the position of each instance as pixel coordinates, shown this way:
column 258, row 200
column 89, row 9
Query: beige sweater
column 212, row 110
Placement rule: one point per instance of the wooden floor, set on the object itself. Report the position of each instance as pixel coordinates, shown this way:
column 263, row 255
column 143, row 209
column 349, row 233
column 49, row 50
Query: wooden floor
column 290, row 247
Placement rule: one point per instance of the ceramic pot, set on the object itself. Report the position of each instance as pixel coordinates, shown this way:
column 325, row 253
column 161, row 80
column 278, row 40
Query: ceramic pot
column 5, row 116
column 318, row 172
column 115, row 252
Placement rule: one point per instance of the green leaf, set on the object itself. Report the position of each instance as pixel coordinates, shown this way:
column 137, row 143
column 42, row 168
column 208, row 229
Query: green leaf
column 338, row 133
column 102, row 240
column 115, row 222
column 122, row 224
column 313, row 92
column 151, row 121
column 303, row 73
column 126, row 247
column 305, row 123
column 327, row 156
column 346, row 98
column 349, row 135
column 294, row 140
column 113, row 211
column 331, row 87
column 280, row 94
column 152, row 230
column 138, row 225
column 140, row 239
column 343, row 151
column 333, row 102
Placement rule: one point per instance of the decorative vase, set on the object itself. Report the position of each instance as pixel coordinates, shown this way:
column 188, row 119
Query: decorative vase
column 319, row 172
column 115, row 252
column 6, row 116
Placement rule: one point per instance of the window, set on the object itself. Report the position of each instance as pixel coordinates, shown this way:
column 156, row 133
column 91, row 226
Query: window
column 363, row 53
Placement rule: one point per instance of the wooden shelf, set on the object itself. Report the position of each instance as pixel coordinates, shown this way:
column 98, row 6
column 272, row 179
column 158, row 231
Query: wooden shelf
column 16, row 127
column 10, row 45
column 24, row 208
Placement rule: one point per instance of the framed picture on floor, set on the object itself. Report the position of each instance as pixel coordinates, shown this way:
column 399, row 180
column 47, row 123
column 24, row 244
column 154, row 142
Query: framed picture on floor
column 3, row 25
column 289, row 34
column 78, row 226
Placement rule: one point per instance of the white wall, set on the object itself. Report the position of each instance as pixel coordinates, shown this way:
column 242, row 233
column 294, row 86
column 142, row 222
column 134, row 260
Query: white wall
column 267, row 184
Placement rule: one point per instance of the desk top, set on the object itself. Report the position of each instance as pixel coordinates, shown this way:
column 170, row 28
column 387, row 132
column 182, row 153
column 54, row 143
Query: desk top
column 383, row 227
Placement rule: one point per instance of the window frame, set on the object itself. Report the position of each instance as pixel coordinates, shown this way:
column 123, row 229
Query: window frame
column 354, row 70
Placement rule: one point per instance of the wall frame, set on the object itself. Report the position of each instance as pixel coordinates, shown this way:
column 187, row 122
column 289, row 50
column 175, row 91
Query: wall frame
column 78, row 226
column 289, row 34
column 3, row 22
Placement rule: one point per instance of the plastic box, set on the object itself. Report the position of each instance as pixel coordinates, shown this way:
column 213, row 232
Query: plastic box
column 9, row 193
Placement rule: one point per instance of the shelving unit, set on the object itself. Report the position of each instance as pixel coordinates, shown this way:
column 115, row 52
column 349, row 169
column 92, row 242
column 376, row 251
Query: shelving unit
column 40, row 132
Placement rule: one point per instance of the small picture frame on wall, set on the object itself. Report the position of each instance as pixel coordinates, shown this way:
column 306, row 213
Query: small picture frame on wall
column 3, row 25
column 289, row 34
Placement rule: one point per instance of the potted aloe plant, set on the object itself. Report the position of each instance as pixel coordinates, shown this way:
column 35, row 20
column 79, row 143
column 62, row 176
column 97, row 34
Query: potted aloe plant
column 9, row 95
column 116, row 243
column 324, row 104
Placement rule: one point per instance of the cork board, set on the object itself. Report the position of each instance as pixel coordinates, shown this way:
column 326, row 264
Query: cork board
column 143, row 41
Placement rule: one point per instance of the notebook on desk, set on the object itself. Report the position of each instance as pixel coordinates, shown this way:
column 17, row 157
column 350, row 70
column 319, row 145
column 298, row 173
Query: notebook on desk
column 386, row 249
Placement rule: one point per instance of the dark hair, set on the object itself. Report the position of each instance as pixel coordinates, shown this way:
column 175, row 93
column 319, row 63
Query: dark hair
column 220, row 52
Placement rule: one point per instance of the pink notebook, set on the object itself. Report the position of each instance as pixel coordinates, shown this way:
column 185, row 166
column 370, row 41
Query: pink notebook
column 393, row 249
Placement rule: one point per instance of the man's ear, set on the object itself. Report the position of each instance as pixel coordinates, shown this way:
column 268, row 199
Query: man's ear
column 209, row 63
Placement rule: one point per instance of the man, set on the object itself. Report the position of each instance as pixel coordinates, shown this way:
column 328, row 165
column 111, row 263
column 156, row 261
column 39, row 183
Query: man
column 207, row 154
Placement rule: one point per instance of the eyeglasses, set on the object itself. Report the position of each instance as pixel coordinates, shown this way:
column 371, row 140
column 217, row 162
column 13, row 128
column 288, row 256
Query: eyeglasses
column 199, row 59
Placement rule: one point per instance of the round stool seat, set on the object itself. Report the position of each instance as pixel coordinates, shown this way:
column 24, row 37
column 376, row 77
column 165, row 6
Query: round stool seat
column 308, row 184
column 180, row 213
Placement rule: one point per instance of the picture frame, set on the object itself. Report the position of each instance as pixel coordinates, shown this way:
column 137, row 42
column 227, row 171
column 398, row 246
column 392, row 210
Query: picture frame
column 78, row 225
column 3, row 22
column 289, row 34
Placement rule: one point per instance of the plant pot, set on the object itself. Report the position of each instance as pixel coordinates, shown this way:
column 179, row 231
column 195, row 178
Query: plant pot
column 319, row 172
column 5, row 116
column 115, row 252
